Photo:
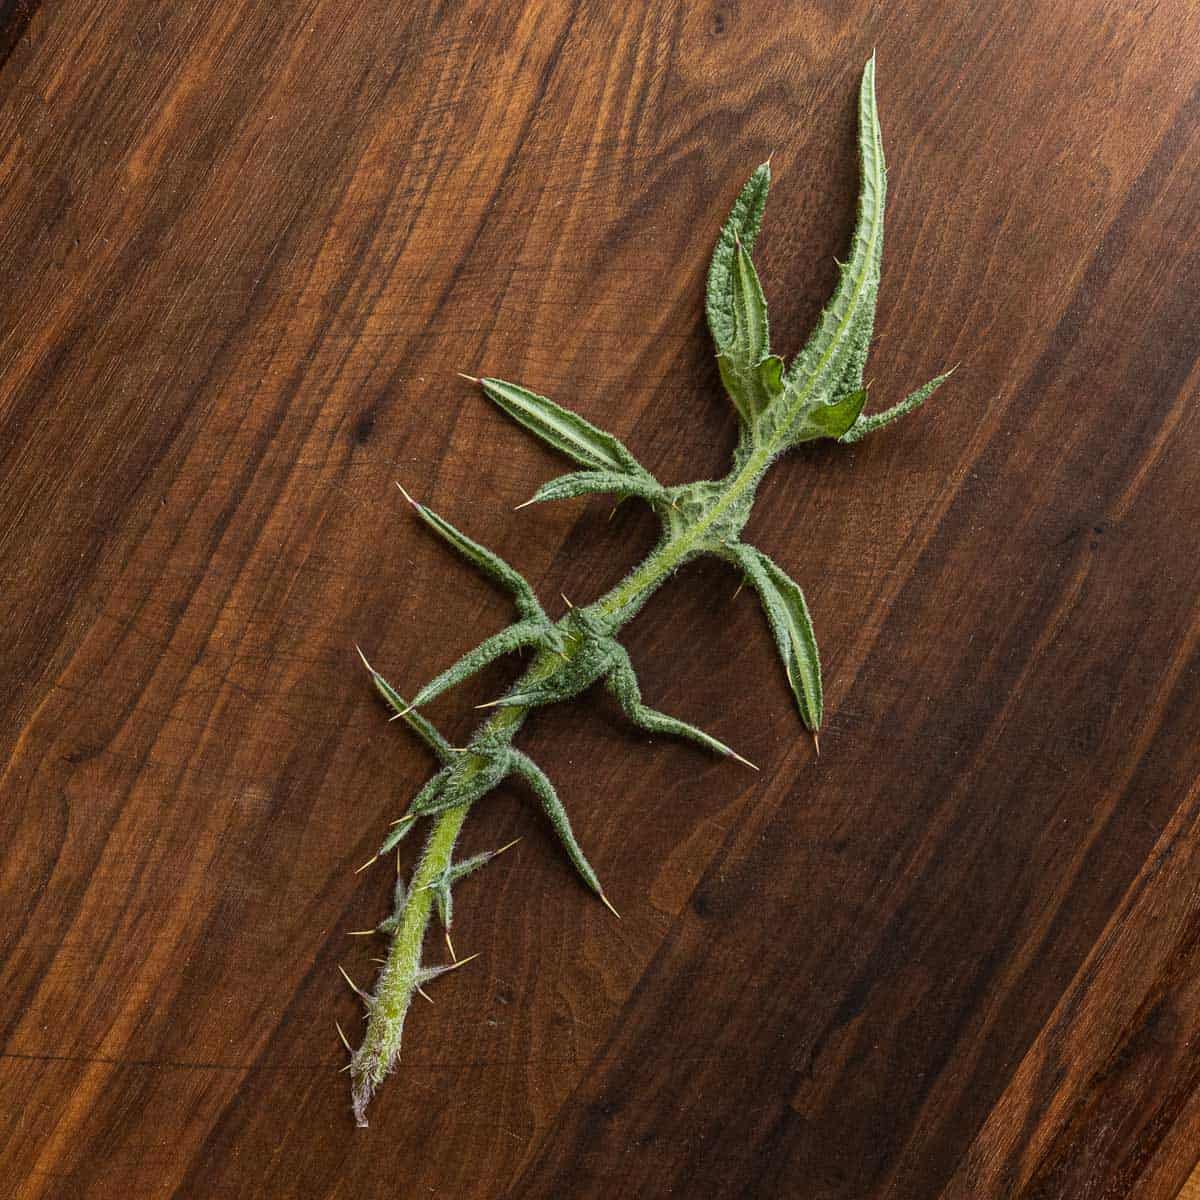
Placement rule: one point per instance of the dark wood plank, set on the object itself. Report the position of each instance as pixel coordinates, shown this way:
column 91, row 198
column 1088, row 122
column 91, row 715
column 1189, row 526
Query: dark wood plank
column 243, row 250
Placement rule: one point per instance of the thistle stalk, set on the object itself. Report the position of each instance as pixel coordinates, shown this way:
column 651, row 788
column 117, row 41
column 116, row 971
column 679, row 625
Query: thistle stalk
column 399, row 978
column 820, row 395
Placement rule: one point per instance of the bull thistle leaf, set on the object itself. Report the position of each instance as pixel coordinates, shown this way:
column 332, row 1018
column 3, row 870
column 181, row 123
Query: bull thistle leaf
column 563, row 430
column 787, row 614
column 819, row 395
column 582, row 483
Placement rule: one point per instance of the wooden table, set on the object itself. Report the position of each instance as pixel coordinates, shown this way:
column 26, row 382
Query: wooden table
column 244, row 248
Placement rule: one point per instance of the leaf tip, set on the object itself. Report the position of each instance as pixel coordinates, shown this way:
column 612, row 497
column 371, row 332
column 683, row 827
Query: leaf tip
column 744, row 761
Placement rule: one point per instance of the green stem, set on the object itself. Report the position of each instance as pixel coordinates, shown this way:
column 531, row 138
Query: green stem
column 401, row 973
column 399, row 978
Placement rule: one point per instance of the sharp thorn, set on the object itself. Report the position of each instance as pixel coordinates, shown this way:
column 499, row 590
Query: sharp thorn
column 354, row 986
column 406, row 495
column 397, row 821
column 361, row 932
column 450, row 946
column 816, row 743
column 462, row 375
column 506, row 846
column 460, row 962
column 343, row 1070
column 735, row 595
column 613, row 513
column 345, row 1039
column 364, row 658
column 526, row 504
column 491, row 703
column 366, row 865
column 735, row 754
column 608, row 905
column 424, row 993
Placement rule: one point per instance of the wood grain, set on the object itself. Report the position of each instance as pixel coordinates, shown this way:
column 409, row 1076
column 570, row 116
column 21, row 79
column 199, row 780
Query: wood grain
column 244, row 248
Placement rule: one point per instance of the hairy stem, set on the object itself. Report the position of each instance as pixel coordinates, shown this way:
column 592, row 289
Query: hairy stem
column 399, row 978
column 387, row 1008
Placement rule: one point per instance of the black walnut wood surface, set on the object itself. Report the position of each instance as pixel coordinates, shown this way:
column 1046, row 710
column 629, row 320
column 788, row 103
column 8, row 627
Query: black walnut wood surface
column 243, row 249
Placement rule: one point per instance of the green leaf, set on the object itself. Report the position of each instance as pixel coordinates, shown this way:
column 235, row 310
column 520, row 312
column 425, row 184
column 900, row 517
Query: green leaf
column 832, row 361
column 623, row 683
column 753, row 377
column 544, row 790
column 401, row 708
column 741, row 227
column 515, row 637
column 865, row 425
column 422, row 803
column 787, row 614
column 468, row 866
column 830, row 420
column 582, row 483
column 751, row 332
column 753, row 388
column 398, row 833
column 564, row 430
column 489, row 563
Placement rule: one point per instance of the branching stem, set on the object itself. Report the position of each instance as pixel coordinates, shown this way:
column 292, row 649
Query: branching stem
column 821, row 394
column 399, row 978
